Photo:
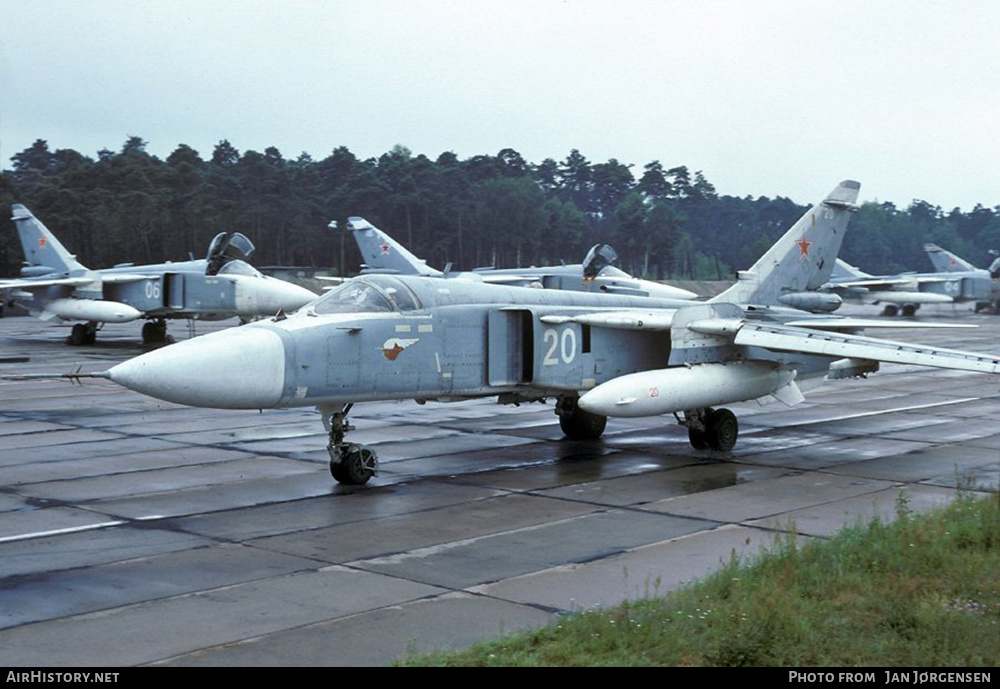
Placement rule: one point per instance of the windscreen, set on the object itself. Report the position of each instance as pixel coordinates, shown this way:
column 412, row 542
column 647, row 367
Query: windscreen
column 369, row 294
column 239, row 268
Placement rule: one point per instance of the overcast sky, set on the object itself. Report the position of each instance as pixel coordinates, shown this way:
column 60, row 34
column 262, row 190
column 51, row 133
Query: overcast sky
column 766, row 97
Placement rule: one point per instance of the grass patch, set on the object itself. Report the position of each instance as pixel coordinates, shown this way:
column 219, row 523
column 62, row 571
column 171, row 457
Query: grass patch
column 919, row 591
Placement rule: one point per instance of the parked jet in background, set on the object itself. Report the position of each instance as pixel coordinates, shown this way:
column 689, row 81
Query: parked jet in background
column 53, row 284
column 980, row 285
column 383, row 254
column 384, row 337
column 904, row 293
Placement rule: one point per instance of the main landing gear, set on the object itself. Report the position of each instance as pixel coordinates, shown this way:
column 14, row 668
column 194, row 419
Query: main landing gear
column 577, row 423
column 155, row 332
column 350, row 464
column 715, row 429
column 907, row 309
column 82, row 334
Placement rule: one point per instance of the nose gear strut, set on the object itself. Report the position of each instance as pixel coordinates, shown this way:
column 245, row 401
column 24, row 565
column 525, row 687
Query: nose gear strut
column 350, row 463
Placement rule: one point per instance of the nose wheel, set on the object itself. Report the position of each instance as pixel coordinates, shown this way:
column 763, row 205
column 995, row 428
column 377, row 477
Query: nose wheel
column 353, row 465
column 350, row 463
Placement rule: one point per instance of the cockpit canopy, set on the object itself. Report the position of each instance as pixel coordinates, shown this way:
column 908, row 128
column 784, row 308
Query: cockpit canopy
column 227, row 247
column 237, row 267
column 598, row 258
column 372, row 293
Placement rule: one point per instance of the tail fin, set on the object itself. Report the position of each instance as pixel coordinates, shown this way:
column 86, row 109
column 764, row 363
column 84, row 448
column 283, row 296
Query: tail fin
column 41, row 248
column 803, row 258
column 945, row 261
column 382, row 253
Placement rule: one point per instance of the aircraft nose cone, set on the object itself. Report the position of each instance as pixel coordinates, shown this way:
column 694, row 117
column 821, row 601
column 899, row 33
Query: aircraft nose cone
column 278, row 294
column 242, row 368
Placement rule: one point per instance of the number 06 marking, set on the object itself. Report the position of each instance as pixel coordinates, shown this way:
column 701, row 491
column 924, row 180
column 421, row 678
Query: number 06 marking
column 565, row 343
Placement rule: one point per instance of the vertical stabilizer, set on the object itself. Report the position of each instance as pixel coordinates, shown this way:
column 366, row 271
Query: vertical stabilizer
column 947, row 262
column 382, row 253
column 803, row 258
column 41, row 248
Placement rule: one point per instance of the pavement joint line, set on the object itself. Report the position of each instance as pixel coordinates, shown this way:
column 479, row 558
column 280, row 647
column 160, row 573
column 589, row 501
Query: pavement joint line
column 57, row 532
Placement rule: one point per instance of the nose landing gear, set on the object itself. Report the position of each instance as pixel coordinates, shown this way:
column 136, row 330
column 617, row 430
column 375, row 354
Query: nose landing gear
column 350, row 464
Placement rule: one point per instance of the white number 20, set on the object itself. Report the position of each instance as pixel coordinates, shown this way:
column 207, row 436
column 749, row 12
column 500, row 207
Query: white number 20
column 565, row 343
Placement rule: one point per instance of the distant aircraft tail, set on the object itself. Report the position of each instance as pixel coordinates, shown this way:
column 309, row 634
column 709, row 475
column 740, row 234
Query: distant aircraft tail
column 382, row 254
column 845, row 271
column 803, row 258
column 41, row 248
column 945, row 261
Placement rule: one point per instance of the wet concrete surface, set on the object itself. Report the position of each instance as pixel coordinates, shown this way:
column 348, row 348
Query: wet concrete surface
column 138, row 532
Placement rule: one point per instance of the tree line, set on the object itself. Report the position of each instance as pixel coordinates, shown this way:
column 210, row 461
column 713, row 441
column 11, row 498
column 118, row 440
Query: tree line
column 487, row 210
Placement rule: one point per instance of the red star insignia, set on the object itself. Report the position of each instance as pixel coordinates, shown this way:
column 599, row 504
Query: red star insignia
column 385, row 249
column 804, row 245
column 41, row 242
column 953, row 263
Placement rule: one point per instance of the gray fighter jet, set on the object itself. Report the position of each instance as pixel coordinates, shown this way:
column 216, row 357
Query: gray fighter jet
column 977, row 284
column 956, row 281
column 383, row 254
column 53, row 284
column 385, row 337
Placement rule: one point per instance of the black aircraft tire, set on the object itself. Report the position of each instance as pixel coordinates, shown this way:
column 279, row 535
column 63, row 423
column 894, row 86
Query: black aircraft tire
column 697, row 439
column 337, row 471
column 79, row 335
column 154, row 332
column 357, row 467
column 582, row 425
column 890, row 310
column 723, row 430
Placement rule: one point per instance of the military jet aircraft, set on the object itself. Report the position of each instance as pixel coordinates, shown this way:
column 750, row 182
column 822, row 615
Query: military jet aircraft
column 384, row 337
column 956, row 281
column 383, row 254
column 53, row 284
column 981, row 286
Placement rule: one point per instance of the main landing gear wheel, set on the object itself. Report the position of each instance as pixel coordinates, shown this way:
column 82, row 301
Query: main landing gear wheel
column 910, row 309
column 154, row 332
column 722, row 431
column 350, row 464
column 714, row 429
column 577, row 423
column 82, row 334
column 890, row 310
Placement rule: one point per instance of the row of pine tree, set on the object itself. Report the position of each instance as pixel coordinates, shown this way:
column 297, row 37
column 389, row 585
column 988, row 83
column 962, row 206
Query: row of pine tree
column 488, row 210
